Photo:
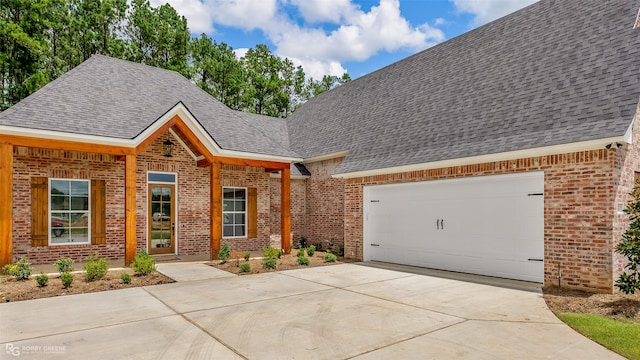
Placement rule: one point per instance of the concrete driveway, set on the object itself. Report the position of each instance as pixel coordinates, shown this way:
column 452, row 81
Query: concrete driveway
column 347, row 311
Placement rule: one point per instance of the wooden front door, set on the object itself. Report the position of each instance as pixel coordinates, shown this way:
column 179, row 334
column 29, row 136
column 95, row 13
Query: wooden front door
column 161, row 235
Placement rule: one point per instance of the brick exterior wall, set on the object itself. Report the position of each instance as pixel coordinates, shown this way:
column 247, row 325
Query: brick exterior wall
column 581, row 224
column 627, row 163
column 193, row 194
column 297, row 211
column 33, row 162
column 325, row 204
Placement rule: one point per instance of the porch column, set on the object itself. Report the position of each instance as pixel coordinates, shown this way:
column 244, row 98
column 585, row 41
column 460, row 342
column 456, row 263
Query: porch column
column 6, row 204
column 285, row 210
column 215, row 204
column 129, row 209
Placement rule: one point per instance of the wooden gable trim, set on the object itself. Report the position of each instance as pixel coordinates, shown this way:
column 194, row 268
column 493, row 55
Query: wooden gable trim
column 65, row 145
column 269, row 166
column 156, row 134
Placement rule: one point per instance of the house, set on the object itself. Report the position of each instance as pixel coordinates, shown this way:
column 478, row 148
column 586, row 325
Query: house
column 508, row 151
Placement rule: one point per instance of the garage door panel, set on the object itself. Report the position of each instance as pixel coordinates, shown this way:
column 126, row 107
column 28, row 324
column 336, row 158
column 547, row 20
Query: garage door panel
column 488, row 225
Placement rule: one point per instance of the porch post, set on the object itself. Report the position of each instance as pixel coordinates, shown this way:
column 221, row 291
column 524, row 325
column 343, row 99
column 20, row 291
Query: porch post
column 6, row 204
column 129, row 209
column 285, row 209
column 216, row 210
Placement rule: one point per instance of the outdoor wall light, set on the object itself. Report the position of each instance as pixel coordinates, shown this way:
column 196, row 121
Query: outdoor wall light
column 168, row 148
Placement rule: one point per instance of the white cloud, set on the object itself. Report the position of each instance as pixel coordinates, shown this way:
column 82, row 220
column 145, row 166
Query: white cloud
column 296, row 28
column 314, row 11
column 440, row 21
column 359, row 36
column 489, row 10
column 199, row 18
column 241, row 52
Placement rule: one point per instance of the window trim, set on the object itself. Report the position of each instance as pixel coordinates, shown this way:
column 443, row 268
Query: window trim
column 245, row 212
column 50, row 211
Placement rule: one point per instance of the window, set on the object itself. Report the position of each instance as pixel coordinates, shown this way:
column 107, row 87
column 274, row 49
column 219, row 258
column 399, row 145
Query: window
column 69, row 214
column 234, row 212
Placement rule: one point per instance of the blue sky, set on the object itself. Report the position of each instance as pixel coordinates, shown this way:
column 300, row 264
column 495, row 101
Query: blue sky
column 334, row 36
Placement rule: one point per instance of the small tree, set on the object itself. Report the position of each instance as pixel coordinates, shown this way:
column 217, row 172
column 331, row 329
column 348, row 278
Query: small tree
column 629, row 247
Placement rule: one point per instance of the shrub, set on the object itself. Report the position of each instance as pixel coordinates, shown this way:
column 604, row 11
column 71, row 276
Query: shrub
column 143, row 263
column 245, row 267
column 20, row 270
column 302, row 243
column 247, row 255
column 311, row 250
column 269, row 263
column 302, row 260
column 270, row 252
column 95, row 268
column 318, row 246
column 629, row 246
column 126, row 278
column 224, row 253
column 42, row 279
column 66, row 279
column 329, row 257
column 341, row 250
column 300, row 252
column 64, row 265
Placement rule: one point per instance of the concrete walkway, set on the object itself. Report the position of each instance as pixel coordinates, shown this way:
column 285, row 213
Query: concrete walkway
column 346, row 311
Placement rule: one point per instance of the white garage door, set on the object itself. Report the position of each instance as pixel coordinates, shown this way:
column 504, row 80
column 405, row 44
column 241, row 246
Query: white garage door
column 489, row 225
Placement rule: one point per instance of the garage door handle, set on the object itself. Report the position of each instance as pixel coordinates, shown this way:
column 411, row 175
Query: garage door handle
column 438, row 224
column 536, row 259
column 375, row 244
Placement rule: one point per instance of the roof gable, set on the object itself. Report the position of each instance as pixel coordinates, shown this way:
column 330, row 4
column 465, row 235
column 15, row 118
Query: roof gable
column 556, row 72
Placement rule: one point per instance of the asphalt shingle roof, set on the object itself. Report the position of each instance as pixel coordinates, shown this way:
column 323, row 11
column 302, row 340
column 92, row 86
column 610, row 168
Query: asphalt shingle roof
column 115, row 98
column 556, row 72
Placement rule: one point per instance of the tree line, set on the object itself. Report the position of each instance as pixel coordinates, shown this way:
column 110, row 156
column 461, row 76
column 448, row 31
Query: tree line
column 42, row 39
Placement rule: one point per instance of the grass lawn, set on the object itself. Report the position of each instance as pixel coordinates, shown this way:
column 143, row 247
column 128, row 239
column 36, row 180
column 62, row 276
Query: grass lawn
column 619, row 336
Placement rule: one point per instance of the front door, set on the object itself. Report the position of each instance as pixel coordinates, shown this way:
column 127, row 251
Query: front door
column 161, row 219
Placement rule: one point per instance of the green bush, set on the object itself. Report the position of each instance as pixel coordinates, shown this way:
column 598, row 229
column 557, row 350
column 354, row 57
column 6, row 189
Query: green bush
column 67, row 279
column 318, row 246
column 245, row 267
column 64, row 265
column 42, row 279
column 329, row 257
column 20, row 270
column 247, row 255
column 126, row 278
column 629, row 246
column 224, row 253
column 341, row 250
column 270, row 252
column 143, row 263
column 302, row 243
column 311, row 250
column 300, row 252
column 95, row 268
column 269, row 263
column 302, row 260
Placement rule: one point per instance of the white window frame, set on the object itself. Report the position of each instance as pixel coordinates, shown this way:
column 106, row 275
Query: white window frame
column 245, row 212
column 50, row 210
